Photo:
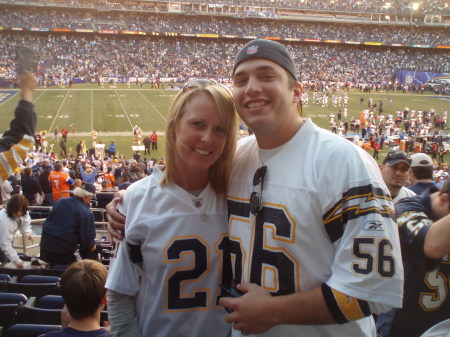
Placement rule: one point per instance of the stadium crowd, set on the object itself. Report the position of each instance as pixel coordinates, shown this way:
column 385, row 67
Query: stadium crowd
column 376, row 6
column 63, row 57
column 147, row 22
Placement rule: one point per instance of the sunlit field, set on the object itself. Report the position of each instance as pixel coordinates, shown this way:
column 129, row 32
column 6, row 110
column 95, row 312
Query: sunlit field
column 113, row 111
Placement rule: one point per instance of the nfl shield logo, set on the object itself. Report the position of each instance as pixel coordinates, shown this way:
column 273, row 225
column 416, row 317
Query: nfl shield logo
column 252, row 50
column 198, row 202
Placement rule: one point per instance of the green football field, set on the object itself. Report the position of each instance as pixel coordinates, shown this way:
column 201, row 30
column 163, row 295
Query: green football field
column 114, row 111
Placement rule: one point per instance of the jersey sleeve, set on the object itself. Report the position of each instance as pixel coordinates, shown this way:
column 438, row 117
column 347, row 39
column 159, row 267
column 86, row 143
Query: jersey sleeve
column 359, row 220
column 124, row 275
column 18, row 139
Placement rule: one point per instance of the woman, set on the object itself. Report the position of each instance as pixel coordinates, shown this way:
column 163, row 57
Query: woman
column 165, row 279
column 14, row 218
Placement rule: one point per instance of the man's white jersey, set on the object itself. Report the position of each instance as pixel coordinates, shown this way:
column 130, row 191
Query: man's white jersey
column 326, row 217
column 181, row 239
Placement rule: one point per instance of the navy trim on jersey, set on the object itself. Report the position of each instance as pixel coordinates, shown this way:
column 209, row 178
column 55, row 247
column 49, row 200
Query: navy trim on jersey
column 346, row 209
column 239, row 208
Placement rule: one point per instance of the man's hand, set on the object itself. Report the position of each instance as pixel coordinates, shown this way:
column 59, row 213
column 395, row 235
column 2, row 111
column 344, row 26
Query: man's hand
column 252, row 312
column 116, row 221
column 30, row 237
column 21, row 264
column 27, row 84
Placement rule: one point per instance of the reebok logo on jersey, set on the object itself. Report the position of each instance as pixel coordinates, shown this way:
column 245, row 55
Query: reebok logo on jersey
column 374, row 226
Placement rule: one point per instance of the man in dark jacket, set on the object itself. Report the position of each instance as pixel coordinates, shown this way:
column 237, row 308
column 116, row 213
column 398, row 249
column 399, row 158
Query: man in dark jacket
column 68, row 233
column 30, row 186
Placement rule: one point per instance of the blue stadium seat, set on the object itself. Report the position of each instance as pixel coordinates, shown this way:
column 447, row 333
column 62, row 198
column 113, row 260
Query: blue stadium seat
column 33, row 289
column 33, row 315
column 5, row 277
column 12, row 298
column 30, row 330
column 50, row 302
column 19, row 272
column 9, row 314
column 39, row 279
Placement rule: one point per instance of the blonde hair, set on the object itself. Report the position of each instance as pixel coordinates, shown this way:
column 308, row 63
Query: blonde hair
column 219, row 172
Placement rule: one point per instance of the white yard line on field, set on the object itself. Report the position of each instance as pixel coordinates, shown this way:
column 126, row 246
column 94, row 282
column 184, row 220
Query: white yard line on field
column 59, row 110
column 37, row 98
column 126, row 113
column 154, row 107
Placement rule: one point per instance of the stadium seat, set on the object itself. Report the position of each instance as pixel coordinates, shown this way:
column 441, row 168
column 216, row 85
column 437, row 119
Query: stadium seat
column 39, row 279
column 50, row 302
column 3, row 279
column 104, row 198
column 34, row 315
column 33, row 289
column 9, row 314
column 18, row 271
column 12, row 298
column 30, row 330
column 56, row 270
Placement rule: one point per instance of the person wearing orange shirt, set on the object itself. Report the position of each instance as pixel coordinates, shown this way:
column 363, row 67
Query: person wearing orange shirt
column 109, row 178
column 60, row 183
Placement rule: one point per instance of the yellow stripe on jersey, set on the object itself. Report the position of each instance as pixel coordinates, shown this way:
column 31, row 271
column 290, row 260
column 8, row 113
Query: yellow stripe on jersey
column 10, row 159
column 349, row 306
column 342, row 307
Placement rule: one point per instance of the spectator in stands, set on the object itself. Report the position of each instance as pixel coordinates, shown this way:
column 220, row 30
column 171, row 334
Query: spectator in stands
column 424, row 227
column 84, row 293
column 46, row 186
column 30, row 186
column 88, row 173
column 421, row 174
column 68, row 232
column 19, row 138
column 395, row 173
column 125, row 182
column 13, row 218
column 6, row 190
column 60, row 183
column 201, row 137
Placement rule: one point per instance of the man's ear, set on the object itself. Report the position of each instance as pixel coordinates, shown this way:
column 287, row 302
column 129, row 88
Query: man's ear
column 298, row 91
column 444, row 200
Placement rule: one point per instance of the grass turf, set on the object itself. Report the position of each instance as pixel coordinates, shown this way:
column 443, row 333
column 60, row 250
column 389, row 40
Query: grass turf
column 114, row 112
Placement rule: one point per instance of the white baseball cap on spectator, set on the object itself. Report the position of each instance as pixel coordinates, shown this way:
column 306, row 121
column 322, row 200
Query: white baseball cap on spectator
column 421, row 160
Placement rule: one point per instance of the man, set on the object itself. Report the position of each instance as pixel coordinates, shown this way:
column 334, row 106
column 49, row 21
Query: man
column 70, row 224
column 60, row 182
column 112, row 149
column 63, row 146
column 46, row 185
column 304, row 242
column 64, row 133
column 424, row 226
column 304, row 253
column 395, row 173
column 30, row 186
column 154, row 139
column 147, row 143
column 421, row 174
column 19, row 138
